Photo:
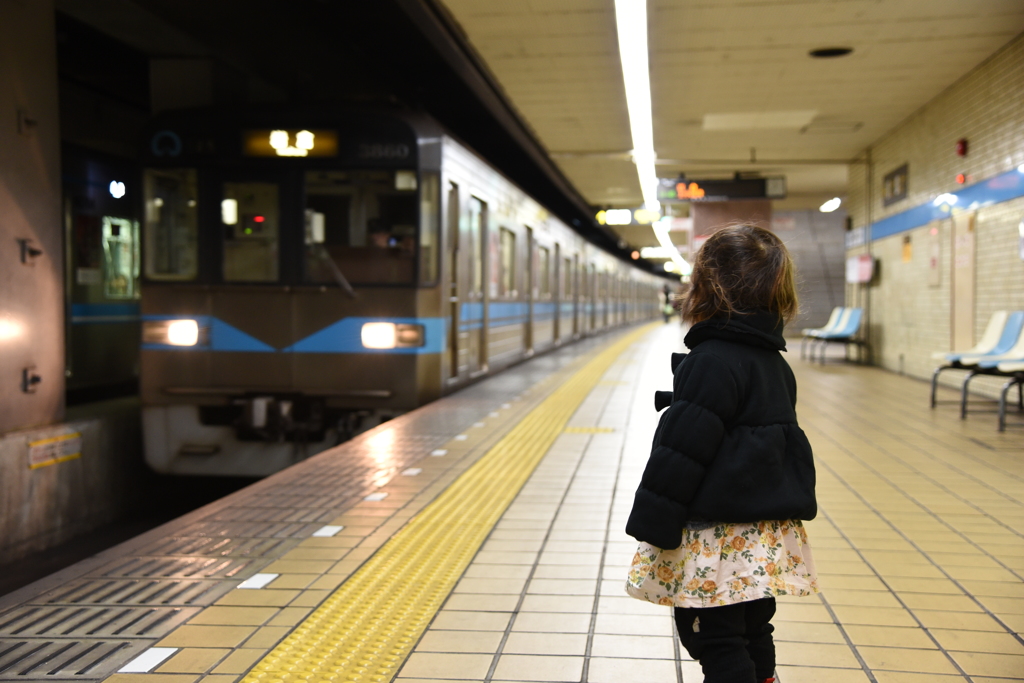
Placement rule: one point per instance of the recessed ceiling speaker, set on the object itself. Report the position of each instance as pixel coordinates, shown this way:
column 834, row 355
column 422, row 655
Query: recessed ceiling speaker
column 826, row 52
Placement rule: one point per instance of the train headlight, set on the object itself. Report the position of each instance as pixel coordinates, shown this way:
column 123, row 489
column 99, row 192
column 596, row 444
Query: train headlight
column 170, row 332
column 391, row 335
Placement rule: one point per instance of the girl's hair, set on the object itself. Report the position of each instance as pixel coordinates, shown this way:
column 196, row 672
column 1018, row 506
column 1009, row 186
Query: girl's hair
column 741, row 269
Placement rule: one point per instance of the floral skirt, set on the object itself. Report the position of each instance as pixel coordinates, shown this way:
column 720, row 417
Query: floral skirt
column 726, row 564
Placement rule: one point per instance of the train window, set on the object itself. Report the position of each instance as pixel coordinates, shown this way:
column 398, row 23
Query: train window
column 430, row 227
column 566, row 287
column 120, row 258
column 507, row 281
column 250, row 213
column 477, row 221
column 171, row 229
column 361, row 225
column 543, row 276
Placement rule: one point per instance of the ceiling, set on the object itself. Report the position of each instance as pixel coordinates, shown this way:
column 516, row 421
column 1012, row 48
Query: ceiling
column 731, row 81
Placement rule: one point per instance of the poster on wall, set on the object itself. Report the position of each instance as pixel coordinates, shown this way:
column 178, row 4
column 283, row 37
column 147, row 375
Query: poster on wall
column 908, row 249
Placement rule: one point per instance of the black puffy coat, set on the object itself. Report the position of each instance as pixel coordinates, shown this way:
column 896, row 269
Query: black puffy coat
column 728, row 449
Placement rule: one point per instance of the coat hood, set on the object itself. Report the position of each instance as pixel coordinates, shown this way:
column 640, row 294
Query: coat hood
column 761, row 329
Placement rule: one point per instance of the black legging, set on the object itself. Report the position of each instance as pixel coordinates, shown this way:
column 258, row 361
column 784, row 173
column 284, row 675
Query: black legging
column 733, row 643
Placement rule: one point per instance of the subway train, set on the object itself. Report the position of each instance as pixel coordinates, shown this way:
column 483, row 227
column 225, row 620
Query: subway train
column 306, row 275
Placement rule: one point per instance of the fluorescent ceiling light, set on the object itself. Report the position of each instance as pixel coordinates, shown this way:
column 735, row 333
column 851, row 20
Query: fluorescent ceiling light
column 831, row 205
column 759, row 120
column 631, row 25
column 618, row 217
column 661, row 231
column 657, row 252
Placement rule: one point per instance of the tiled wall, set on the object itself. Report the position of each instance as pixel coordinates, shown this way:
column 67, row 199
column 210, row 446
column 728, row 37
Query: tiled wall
column 908, row 318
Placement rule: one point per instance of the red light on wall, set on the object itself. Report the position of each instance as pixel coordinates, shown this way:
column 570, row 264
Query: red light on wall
column 260, row 219
column 961, row 147
column 961, row 178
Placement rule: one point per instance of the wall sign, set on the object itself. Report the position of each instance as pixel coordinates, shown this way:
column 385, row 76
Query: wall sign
column 894, row 186
column 860, row 269
column 54, row 449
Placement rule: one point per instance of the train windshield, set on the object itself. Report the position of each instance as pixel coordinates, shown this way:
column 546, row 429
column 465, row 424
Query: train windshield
column 250, row 213
column 171, row 225
column 361, row 225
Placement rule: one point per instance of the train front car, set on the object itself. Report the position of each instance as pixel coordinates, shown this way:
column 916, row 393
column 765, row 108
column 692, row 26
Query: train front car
column 290, row 284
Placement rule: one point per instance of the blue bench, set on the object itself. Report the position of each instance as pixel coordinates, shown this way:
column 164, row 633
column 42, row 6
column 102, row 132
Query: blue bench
column 846, row 332
column 1014, row 370
column 1002, row 341
column 831, row 325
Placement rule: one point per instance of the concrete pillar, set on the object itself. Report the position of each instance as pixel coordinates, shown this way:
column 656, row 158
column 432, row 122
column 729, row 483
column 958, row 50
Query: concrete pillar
column 31, row 254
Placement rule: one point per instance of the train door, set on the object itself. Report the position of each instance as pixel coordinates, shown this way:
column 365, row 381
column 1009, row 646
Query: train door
column 456, row 341
column 592, row 295
column 606, row 298
column 474, row 318
column 531, row 294
column 574, row 274
column 559, row 294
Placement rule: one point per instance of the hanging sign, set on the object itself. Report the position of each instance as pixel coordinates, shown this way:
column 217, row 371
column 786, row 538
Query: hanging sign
column 680, row 190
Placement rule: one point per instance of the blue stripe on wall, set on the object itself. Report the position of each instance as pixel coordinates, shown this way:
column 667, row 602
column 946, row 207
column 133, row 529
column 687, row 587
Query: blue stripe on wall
column 1001, row 188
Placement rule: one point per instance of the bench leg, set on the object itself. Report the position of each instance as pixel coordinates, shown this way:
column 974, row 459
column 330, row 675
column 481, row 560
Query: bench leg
column 935, row 381
column 1002, row 403
column 963, row 393
column 803, row 348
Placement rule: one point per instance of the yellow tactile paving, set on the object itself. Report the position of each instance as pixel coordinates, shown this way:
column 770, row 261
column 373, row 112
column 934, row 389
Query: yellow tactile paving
column 365, row 630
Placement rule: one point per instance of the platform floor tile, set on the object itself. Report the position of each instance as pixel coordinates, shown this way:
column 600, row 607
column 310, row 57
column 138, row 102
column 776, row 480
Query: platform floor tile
column 919, row 546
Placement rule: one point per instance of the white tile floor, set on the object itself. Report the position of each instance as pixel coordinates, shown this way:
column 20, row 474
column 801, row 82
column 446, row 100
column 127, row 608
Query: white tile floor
column 904, row 600
column 544, row 597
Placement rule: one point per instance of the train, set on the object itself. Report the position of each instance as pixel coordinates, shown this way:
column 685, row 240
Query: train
column 307, row 274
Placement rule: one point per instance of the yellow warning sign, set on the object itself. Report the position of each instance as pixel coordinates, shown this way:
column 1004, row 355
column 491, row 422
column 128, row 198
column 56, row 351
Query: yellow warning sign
column 54, row 449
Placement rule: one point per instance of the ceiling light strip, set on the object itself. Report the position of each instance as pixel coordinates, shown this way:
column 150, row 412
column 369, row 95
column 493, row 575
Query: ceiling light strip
column 661, row 229
column 631, row 24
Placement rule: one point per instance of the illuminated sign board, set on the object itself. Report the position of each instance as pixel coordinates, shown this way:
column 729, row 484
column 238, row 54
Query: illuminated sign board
column 627, row 217
column 679, row 190
column 283, row 142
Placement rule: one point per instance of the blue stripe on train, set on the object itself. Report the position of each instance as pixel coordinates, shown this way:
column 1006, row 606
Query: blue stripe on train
column 343, row 336
column 104, row 313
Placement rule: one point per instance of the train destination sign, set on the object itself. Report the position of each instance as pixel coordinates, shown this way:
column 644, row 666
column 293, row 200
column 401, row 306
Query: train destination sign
column 290, row 143
column 680, row 190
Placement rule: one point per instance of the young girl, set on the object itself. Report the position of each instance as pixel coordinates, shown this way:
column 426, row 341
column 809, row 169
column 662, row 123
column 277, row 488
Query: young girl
column 730, row 474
